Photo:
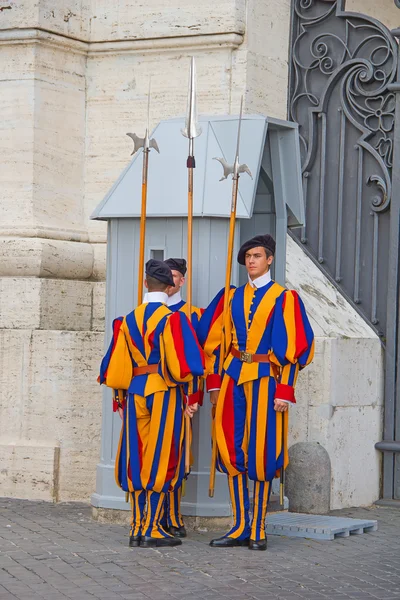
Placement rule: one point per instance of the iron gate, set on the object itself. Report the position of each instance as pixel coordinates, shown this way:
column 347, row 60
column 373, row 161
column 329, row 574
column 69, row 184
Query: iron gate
column 344, row 92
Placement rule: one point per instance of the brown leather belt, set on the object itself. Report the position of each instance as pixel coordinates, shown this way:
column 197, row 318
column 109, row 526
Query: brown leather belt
column 145, row 370
column 247, row 357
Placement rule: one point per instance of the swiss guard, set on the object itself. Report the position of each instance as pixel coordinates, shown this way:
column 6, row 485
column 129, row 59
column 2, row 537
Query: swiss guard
column 173, row 516
column 153, row 356
column 266, row 338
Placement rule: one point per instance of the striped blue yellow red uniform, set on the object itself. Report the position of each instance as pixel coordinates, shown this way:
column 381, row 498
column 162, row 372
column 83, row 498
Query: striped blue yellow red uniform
column 173, row 515
column 151, row 441
column 270, row 321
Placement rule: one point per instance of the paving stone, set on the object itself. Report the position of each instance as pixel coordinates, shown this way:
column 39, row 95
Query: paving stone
column 54, row 552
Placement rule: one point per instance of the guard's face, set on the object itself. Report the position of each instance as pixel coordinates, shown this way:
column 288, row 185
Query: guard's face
column 179, row 280
column 257, row 263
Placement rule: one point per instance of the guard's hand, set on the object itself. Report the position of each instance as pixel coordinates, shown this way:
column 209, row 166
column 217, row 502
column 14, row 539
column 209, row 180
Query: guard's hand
column 121, row 413
column 280, row 405
column 191, row 409
column 214, row 397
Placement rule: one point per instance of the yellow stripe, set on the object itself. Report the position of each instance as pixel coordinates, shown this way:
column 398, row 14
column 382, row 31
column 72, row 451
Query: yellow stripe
column 117, row 458
column 148, row 515
column 255, row 510
column 154, row 428
column 167, row 442
column 128, row 454
column 264, row 510
column 151, row 324
column 241, row 500
column 232, row 495
column 279, row 418
column 286, row 449
column 248, row 297
column 219, row 431
column 261, row 315
column 261, row 426
column 290, row 324
column 119, row 372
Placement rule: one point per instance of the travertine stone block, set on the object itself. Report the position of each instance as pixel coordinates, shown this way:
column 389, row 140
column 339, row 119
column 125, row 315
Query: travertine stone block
column 49, row 398
column 121, row 19
column 38, row 257
column 99, row 306
column 29, row 471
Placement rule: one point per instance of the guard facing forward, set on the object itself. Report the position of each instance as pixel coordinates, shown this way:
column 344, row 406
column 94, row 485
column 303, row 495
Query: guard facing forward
column 153, row 356
column 268, row 339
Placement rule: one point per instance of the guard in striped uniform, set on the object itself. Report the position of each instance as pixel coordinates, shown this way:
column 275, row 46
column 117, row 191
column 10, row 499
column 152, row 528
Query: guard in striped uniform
column 268, row 339
column 173, row 516
column 152, row 358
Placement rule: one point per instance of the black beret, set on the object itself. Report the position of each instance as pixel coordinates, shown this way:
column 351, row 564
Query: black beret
column 160, row 271
column 265, row 241
column 177, row 264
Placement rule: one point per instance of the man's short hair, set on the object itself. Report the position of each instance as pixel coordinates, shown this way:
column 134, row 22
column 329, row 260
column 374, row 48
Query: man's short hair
column 154, row 285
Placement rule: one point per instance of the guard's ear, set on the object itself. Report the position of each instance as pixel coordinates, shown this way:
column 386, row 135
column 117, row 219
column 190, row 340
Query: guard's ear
column 145, row 284
column 270, row 260
column 182, row 283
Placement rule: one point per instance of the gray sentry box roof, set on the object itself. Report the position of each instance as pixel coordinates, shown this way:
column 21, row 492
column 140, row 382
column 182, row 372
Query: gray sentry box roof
column 268, row 203
column 270, row 147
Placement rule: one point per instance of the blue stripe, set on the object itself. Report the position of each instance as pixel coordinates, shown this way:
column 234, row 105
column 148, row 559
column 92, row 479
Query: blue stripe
column 254, row 393
column 239, row 318
column 160, row 435
column 177, row 306
column 122, row 465
column 271, row 464
column 259, row 294
column 134, row 443
column 239, row 415
column 279, row 339
column 134, row 332
column 292, row 374
column 207, row 317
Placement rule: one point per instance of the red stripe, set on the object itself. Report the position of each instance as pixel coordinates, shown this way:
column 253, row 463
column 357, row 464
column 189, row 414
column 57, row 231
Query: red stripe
column 151, row 339
column 172, row 463
column 270, row 317
column 228, row 422
column 218, row 310
column 140, row 450
column 301, row 338
column 285, row 392
column 213, row 382
column 116, row 327
column 177, row 335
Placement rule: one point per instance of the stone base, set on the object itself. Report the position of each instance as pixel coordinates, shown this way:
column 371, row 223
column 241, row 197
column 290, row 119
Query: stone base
column 122, row 517
column 203, row 524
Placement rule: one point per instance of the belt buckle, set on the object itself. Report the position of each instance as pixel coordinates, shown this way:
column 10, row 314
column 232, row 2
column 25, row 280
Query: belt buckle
column 246, row 357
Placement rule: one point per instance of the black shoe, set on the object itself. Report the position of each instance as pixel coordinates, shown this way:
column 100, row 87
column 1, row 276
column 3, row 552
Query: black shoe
column 178, row 532
column 260, row 545
column 134, row 541
column 151, row 542
column 228, row 542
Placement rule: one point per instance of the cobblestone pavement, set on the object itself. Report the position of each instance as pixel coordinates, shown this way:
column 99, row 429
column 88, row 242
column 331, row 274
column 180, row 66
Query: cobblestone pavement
column 54, row 552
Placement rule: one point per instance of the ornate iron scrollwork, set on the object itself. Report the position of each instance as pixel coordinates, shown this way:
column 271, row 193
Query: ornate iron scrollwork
column 342, row 66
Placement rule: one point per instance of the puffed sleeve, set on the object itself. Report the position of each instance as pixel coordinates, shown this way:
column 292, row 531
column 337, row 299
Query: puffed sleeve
column 292, row 343
column 209, row 332
column 116, row 366
column 182, row 357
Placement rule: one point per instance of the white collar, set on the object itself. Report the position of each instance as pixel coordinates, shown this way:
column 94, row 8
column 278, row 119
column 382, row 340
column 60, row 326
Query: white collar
column 156, row 297
column 174, row 299
column 260, row 281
